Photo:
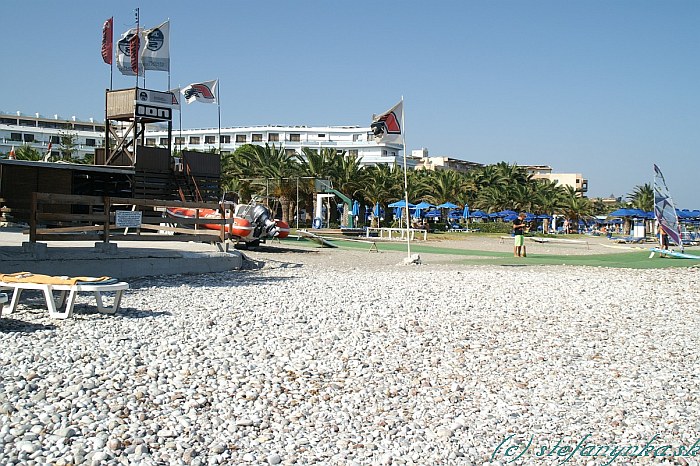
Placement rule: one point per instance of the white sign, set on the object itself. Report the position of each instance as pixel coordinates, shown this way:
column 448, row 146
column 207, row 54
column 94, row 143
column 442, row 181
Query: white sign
column 128, row 219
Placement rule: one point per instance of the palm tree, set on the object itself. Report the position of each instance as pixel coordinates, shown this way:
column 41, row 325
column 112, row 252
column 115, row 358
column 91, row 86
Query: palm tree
column 548, row 198
column 26, row 152
column 575, row 206
column 275, row 168
column 642, row 197
column 379, row 184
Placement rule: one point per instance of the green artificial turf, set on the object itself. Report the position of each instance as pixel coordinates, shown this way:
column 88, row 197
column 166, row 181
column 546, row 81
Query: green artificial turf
column 631, row 260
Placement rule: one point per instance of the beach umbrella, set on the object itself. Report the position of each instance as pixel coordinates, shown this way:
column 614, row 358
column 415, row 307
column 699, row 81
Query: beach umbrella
column 401, row 203
column 424, row 205
column 432, row 214
column 355, row 209
column 448, row 205
column 398, row 212
column 454, row 214
column 465, row 212
column 479, row 214
column 627, row 213
column 377, row 210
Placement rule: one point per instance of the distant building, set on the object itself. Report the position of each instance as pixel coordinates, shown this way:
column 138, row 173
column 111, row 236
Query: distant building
column 354, row 140
column 574, row 180
column 425, row 162
column 38, row 131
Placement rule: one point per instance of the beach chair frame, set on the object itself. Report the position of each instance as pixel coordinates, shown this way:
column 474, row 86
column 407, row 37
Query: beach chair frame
column 61, row 307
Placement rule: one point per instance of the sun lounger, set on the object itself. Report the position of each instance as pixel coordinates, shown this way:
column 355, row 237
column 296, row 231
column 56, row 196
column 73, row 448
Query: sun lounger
column 67, row 287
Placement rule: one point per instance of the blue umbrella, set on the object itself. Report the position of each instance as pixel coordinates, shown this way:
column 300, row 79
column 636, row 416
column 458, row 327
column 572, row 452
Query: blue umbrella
column 479, row 214
column 355, row 209
column 398, row 212
column 377, row 210
column 627, row 213
column 424, row 205
column 448, row 205
column 416, row 212
column 401, row 203
column 465, row 212
column 432, row 214
column 454, row 214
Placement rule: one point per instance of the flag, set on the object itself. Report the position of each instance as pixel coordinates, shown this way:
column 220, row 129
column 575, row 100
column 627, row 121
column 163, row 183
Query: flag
column 176, row 97
column 107, row 41
column 122, row 52
column 134, row 46
column 47, row 156
column 12, row 155
column 155, row 48
column 387, row 127
column 201, row 92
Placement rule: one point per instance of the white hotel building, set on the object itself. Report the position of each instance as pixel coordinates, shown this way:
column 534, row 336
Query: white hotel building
column 38, row 131
column 354, row 140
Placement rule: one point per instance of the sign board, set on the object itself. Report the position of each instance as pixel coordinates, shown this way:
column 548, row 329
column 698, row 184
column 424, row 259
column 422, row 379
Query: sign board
column 153, row 112
column 128, row 219
column 147, row 96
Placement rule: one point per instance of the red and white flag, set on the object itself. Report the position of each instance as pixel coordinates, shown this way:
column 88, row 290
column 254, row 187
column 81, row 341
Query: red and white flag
column 201, row 92
column 123, row 54
column 12, row 155
column 47, row 156
column 388, row 126
column 107, row 41
column 176, row 97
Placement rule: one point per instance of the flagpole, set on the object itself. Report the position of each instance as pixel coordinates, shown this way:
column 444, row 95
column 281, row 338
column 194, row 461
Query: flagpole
column 218, row 103
column 405, row 181
column 131, row 51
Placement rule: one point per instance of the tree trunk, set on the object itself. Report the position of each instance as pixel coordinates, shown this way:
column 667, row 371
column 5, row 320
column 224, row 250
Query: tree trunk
column 285, row 208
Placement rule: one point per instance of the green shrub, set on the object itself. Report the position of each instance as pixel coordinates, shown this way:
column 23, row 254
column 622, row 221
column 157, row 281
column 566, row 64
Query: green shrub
column 493, row 227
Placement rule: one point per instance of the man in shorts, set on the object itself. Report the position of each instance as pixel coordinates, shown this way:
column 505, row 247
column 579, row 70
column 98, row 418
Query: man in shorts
column 519, row 232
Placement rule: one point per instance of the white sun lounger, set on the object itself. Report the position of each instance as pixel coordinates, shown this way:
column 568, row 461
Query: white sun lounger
column 60, row 308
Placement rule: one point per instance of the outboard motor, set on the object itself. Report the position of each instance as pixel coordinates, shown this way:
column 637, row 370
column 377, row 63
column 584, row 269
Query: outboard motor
column 263, row 222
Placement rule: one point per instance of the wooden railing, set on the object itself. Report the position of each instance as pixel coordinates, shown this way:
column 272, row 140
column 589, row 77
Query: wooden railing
column 67, row 217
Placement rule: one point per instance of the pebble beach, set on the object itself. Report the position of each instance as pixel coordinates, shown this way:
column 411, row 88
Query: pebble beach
column 344, row 357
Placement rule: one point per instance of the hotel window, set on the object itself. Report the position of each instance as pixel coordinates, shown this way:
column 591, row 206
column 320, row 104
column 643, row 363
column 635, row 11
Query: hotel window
column 179, row 141
column 194, row 140
column 383, row 152
column 26, row 123
column 149, row 142
column 28, row 138
column 321, row 135
column 55, row 140
column 352, row 153
column 295, row 137
column 209, row 139
column 15, row 136
column 273, row 137
column 257, row 137
column 225, row 140
column 241, row 138
column 92, row 142
column 163, row 141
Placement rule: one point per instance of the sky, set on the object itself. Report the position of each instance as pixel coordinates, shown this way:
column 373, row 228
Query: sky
column 605, row 88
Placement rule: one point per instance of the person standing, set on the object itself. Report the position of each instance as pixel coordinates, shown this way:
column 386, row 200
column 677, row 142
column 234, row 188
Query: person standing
column 519, row 233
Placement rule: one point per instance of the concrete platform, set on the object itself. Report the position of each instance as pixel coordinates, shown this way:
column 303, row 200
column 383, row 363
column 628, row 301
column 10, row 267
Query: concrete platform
column 122, row 259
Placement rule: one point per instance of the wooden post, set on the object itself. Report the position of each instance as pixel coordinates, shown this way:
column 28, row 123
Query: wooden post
column 32, row 219
column 107, row 207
